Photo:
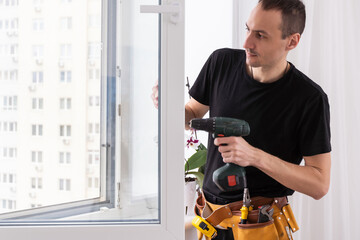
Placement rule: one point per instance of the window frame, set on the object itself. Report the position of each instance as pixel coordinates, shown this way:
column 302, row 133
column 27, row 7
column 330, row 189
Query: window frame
column 171, row 114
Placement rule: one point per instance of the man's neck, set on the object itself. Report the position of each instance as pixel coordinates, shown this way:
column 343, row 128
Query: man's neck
column 269, row 74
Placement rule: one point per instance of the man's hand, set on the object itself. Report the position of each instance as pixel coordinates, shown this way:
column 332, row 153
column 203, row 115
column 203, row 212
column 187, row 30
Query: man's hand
column 155, row 94
column 236, row 150
column 194, row 109
column 313, row 179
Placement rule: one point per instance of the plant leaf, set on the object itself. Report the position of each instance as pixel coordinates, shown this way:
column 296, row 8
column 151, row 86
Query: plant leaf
column 201, row 147
column 202, row 169
column 196, row 160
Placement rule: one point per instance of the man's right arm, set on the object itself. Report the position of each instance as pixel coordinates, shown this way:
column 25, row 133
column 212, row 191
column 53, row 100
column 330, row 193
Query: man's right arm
column 194, row 109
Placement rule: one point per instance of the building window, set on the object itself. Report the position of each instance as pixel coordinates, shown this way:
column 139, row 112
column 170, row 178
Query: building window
column 36, row 156
column 94, row 74
column 11, row 204
column 37, row 130
column 65, row 76
column 94, row 50
column 14, row 24
column 36, row 183
column 94, row 101
column 93, row 182
column 37, row 77
column 65, row 103
column 9, row 103
column 12, row 152
column 64, row 184
column 38, row 25
column 37, row 103
column 34, row 205
column 14, row 50
column 12, row 126
column 65, row 131
column 93, row 157
column 65, row 51
column 12, row 178
column 8, row 178
column 94, row 128
column 9, row 153
column 64, row 157
column 4, row 178
column 9, row 75
column 14, row 75
column 8, row 204
column 65, row 23
column 8, row 127
column 38, row 51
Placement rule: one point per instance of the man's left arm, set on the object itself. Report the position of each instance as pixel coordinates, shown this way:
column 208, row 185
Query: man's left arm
column 312, row 179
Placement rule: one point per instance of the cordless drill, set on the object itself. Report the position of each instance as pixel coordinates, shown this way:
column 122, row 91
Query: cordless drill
column 230, row 177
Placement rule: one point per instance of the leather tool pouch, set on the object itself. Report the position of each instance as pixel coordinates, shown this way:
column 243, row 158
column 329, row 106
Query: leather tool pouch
column 252, row 231
column 280, row 227
column 285, row 222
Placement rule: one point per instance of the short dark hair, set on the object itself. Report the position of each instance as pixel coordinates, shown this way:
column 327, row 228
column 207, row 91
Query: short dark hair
column 293, row 14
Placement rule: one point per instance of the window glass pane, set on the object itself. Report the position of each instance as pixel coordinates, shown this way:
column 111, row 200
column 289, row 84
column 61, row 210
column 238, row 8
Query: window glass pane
column 140, row 123
column 59, row 148
column 44, row 149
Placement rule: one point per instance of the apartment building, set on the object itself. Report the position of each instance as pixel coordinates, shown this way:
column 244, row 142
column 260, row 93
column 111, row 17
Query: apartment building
column 49, row 102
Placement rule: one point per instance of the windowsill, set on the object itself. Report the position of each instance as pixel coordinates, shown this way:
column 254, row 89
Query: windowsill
column 140, row 212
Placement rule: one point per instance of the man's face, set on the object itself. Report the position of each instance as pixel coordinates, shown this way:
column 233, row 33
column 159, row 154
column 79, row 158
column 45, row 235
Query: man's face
column 264, row 44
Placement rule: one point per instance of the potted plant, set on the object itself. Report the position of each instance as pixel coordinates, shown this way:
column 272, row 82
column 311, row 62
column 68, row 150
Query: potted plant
column 194, row 171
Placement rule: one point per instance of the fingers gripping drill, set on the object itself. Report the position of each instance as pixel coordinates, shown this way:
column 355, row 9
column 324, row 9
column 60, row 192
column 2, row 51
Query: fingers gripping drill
column 230, row 177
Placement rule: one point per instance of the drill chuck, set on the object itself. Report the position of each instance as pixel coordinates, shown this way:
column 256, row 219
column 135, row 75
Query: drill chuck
column 205, row 124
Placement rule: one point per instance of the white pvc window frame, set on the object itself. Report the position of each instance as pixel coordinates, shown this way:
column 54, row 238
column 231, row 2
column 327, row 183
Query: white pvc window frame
column 171, row 224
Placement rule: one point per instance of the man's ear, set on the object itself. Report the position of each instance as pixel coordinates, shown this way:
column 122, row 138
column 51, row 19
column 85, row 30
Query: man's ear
column 293, row 41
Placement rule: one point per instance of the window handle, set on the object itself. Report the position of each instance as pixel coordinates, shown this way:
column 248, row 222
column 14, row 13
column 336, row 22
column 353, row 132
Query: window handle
column 174, row 9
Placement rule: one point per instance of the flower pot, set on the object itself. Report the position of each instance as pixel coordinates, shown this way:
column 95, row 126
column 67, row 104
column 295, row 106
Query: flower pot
column 190, row 195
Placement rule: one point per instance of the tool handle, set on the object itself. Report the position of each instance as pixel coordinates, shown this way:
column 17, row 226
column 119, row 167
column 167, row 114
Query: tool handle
column 244, row 214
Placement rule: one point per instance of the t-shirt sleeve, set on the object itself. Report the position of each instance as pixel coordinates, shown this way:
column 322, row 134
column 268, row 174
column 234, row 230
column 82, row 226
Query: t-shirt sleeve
column 314, row 130
column 200, row 91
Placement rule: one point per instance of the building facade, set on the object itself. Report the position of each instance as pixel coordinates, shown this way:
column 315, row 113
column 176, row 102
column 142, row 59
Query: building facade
column 50, row 56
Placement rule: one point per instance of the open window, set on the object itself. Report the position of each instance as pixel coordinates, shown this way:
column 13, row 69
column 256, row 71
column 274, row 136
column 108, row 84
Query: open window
column 81, row 145
column 52, row 150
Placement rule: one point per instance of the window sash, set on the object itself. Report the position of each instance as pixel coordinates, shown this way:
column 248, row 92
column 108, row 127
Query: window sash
column 106, row 155
column 171, row 109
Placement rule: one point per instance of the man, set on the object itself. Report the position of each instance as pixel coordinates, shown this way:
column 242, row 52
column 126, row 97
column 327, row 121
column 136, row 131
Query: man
column 287, row 112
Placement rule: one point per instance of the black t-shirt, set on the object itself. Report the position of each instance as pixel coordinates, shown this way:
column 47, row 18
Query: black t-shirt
column 288, row 118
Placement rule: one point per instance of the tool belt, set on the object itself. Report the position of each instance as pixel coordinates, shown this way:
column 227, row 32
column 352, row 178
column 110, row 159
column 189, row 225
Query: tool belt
column 228, row 216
